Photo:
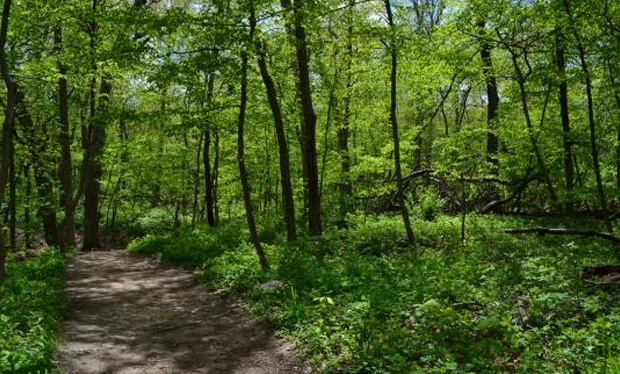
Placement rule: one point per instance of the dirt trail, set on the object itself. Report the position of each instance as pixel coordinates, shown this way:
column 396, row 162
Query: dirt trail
column 131, row 314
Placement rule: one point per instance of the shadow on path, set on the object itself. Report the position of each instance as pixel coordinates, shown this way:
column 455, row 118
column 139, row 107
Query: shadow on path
column 133, row 315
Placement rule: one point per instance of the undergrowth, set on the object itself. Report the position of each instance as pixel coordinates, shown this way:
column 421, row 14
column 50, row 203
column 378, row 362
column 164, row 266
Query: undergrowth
column 360, row 300
column 31, row 306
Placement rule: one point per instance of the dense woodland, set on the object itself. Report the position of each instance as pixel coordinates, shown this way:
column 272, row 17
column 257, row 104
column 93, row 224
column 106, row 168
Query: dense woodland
column 307, row 118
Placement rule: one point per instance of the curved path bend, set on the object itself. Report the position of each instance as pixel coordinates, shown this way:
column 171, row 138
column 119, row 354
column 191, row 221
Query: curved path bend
column 131, row 314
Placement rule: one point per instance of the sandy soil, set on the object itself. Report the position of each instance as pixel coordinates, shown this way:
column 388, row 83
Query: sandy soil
column 131, row 314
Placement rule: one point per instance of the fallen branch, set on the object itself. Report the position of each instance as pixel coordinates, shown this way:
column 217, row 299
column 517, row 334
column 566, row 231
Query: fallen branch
column 417, row 173
column 604, row 283
column 560, row 231
column 493, row 205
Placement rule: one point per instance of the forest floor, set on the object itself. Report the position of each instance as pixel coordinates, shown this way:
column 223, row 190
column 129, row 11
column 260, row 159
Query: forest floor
column 132, row 314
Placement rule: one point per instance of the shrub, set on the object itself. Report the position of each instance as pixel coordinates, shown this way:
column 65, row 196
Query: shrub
column 31, row 306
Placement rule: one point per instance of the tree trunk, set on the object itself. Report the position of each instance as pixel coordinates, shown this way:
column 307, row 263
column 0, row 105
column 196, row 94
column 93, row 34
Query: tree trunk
column 492, row 101
column 215, row 176
column 332, row 107
column 65, row 167
column 197, row 181
column 92, row 168
column 12, row 199
column 309, row 153
column 395, row 136
column 345, row 187
column 591, row 121
column 247, row 198
column 288, row 203
column 37, row 141
column 560, row 61
column 9, row 116
column 206, row 157
column 93, row 140
column 616, row 91
column 28, row 192
column 521, row 78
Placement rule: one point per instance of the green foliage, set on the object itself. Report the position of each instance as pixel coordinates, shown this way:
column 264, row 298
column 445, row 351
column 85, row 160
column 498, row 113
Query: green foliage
column 31, row 306
column 192, row 248
column 361, row 301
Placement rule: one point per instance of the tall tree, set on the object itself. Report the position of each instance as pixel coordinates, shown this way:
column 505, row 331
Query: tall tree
column 492, row 98
column 400, row 191
column 594, row 149
column 206, row 155
column 243, row 174
column 65, row 167
column 93, row 139
column 288, row 203
column 9, row 117
column 560, row 61
column 308, row 138
column 346, row 188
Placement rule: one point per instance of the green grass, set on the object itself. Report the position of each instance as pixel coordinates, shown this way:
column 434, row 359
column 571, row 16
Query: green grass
column 361, row 301
column 31, row 306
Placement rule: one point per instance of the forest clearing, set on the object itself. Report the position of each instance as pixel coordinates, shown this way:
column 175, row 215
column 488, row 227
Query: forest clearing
column 355, row 186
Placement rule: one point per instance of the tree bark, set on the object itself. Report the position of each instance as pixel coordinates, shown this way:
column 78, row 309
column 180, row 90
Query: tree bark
column 93, row 140
column 288, row 203
column 9, row 117
column 492, row 101
column 309, row 152
column 37, row 144
column 65, row 166
column 345, row 186
column 206, row 156
column 215, row 176
column 616, row 91
column 560, row 61
column 592, row 123
column 243, row 174
column 28, row 192
column 197, row 181
column 395, row 136
column 12, row 200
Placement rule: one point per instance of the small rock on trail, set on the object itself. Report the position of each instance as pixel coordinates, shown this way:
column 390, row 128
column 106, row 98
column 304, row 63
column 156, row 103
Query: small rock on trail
column 133, row 315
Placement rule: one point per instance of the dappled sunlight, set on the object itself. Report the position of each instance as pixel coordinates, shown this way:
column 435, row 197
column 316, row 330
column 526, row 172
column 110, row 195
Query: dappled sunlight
column 133, row 315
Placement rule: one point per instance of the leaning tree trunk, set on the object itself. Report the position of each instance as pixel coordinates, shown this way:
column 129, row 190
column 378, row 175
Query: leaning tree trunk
column 521, row 78
column 288, row 203
column 243, row 174
column 395, row 136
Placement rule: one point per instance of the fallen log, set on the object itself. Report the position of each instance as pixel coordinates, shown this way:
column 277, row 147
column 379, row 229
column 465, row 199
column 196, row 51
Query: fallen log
column 561, row 231
column 600, row 271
